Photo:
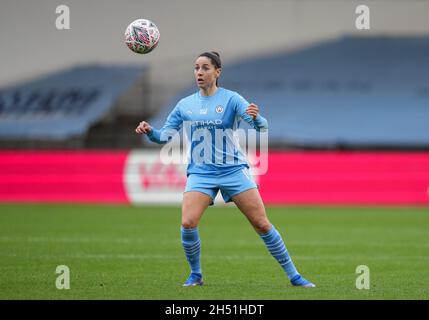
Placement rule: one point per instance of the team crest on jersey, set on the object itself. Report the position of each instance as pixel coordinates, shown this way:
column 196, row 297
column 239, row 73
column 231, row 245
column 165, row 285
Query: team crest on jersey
column 219, row 109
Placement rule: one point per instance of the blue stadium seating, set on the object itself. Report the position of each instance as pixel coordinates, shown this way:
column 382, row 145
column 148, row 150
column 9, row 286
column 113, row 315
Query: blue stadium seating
column 350, row 92
column 64, row 104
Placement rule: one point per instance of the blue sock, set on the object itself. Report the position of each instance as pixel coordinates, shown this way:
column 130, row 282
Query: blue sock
column 192, row 246
column 277, row 248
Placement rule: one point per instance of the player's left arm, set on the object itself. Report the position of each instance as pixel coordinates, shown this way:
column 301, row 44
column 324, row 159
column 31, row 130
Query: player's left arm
column 249, row 112
column 259, row 122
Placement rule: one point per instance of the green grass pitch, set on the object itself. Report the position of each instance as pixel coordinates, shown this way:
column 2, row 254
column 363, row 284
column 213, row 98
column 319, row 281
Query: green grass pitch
column 125, row 252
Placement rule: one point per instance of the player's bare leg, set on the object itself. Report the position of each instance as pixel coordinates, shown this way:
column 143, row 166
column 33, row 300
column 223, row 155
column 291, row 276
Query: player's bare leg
column 250, row 204
column 193, row 206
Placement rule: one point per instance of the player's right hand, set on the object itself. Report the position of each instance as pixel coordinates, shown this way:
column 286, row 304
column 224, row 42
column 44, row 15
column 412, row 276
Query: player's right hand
column 143, row 127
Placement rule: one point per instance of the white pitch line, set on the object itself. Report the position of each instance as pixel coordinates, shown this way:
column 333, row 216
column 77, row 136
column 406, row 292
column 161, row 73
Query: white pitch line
column 318, row 243
column 169, row 256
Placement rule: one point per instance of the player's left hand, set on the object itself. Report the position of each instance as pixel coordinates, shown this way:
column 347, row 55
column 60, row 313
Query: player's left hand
column 252, row 110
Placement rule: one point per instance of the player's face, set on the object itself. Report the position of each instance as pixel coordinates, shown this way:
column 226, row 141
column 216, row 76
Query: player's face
column 205, row 73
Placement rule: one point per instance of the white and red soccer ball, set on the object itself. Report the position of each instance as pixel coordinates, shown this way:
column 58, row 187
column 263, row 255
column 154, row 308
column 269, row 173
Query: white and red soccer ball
column 142, row 36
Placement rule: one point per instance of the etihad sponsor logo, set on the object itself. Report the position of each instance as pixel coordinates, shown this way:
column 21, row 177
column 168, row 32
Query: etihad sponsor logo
column 207, row 122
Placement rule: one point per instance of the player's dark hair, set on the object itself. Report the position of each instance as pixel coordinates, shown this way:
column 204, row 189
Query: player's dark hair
column 214, row 58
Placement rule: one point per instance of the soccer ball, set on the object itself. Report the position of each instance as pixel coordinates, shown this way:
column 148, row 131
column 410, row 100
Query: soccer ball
column 142, row 36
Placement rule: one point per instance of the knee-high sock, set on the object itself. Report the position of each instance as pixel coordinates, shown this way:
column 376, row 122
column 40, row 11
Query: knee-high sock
column 192, row 246
column 277, row 248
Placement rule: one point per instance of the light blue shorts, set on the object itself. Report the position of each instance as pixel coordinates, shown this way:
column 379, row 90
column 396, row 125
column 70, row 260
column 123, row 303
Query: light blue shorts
column 229, row 183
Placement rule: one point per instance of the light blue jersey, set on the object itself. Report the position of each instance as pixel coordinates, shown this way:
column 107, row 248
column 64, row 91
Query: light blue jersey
column 210, row 125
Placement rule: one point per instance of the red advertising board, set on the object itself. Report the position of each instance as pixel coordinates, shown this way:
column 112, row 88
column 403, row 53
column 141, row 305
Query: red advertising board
column 349, row 178
column 359, row 178
column 62, row 176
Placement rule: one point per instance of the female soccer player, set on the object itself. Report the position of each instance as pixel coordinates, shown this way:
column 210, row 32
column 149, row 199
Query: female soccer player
column 214, row 166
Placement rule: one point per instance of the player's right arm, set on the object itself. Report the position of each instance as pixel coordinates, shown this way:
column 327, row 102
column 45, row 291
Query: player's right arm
column 163, row 135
